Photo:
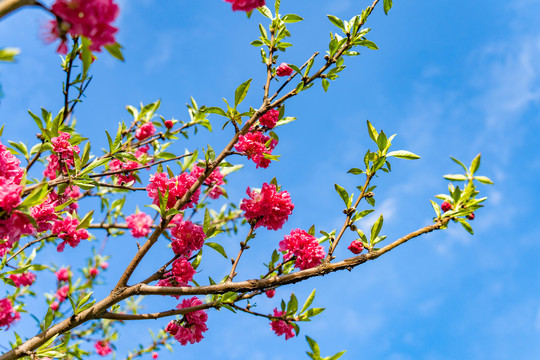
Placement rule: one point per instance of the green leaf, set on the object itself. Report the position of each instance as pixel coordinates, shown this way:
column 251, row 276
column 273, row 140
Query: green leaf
column 265, row 11
column 116, row 51
column 376, row 228
column 292, row 306
column 367, row 43
column 339, row 354
column 466, row 226
column 8, row 54
column 325, row 84
column 218, row 248
column 291, row 18
column 342, row 193
column 241, row 93
column 455, row 177
column 387, row 6
column 460, row 163
column 475, row 164
column 403, row 154
column 308, row 302
column 484, row 180
column 336, row 21
column 85, row 222
column 373, row 134
column 436, row 208
column 314, row 347
column 86, row 55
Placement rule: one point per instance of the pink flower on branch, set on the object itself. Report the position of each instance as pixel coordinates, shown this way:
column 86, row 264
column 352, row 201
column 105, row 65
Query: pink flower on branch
column 214, row 180
column 187, row 237
column 284, row 70
column 90, row 18
column 9, row 166
column 7, row 314
column 66, row 229
column 103, row 347
column 12, row 228
column 255, row 145
column 62, row 293
column 194, row 323
column 356, row 247
column 309, row 253
column 139, row 223
column 268, row 208
column 269, row 118
column 176, row 188
column 62, row 274
column 25, row 279
column 281, row 327
column 10, row 195
column 145, row 131
column 245, row 5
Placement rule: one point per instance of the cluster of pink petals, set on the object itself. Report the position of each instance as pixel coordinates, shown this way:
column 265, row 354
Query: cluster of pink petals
column 281, row 327
column 10, row 194
column 90, row 18
column 187, row 237
column 127, row 176
column 62, row 274
column 284, row 70
column 145, row 131
column 255, row 145
column 268, row 208
column 356, row 247
column 25, row 279
column 175, row 187
column 309, row 253
column 7, row 314
column 62, row 158
column 446, row 206
column 70, row 192
column 182, row 270
column 246, row 5
column 269, row 118
column 62, row 293
column 44, row 215
column 11, row 230
column 139, row 223
column 9, row 166
column 213, row 181
column 66, row 229
column 103, row 347
column 193, row 325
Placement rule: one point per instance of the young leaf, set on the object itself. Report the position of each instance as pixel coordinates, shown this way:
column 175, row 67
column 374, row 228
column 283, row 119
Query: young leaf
column 342, row 193
column 376, row 228
column 308, row 302
column 475, row 164
column 403, row 154
column 387, row 6
column 217, row 247
column 241, row 93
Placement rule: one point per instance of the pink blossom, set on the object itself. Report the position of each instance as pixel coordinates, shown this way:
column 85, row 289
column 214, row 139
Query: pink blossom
column 71, row 192
column 90, row 18
column 255, row 145
column 246, row 5
column 9, row 166
column 284, row 70
column 127, row 176
column 7, row 314
column 44, row 215
column 10, row 194
column 25, row 279
column 142, row 151
column 103, row 347
column 12, row 228
column 309, row 253
column 169, row 124
column 66, row 229
column 194, row 324
column 356, row 247
column 93, row 272
column 187, row 237
column 145, row 131
column 182, row 270
column 172, row 328
column 214, row 180
column 268, row 208
column 62, row 158
column 270, row 293
column 62, row 274
column 281, row 327
column 62, row 293
column 53, row 166
column 175, row 187
column 269, row 118
column 55, row 305
column 155, row 355
column 104, row 265
column 139, row 223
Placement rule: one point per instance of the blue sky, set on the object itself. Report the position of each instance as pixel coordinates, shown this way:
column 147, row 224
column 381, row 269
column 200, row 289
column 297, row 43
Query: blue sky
column 450, row 78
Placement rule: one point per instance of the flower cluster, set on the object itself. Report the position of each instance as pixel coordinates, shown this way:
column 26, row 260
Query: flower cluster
column 269, row 118
column 268, row 208
column 255, row 145
column 90, row 18
column 281, row 327
column 446, row 206
column 284, row 70
column 246, row 5
column 62, row 158
column 186, row 237
column 192, row 326
column 309, row 253
column 12, row 228
column 213, row 181
column 127, row 176
column 62, row 274
column 8, row 315
column 66, row 229
column 145, row 131
column 103, row 347
column 139, row 223
column 175, row 188
column 24, row 279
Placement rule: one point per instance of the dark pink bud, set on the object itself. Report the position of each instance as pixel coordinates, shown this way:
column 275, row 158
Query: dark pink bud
column 155, row 355
column 55, row 305
column 284, row 70
column 470, row 216
column 93, row 272
column 445, row 206
column 356, row 247
column 270, row 293
column 168, row 124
